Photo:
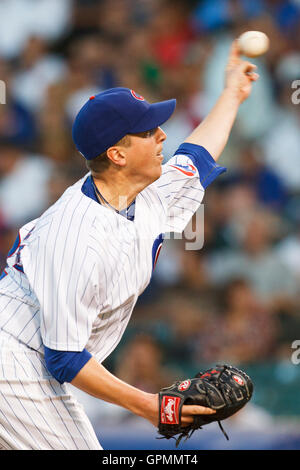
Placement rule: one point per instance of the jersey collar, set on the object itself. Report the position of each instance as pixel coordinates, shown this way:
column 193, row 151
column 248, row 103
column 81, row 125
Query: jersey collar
column 88, row 190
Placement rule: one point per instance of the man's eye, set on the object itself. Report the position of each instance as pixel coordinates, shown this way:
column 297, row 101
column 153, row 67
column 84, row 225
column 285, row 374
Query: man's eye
column 147, row 134
column 151, row 132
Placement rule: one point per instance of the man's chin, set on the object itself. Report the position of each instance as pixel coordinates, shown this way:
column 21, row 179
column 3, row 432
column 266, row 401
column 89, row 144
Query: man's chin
column 158, row 174
column 155, row 174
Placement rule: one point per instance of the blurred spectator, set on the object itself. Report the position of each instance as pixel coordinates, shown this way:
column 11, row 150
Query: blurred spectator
column 37, row 69
column 140, row 364
column 85, row 16
column 62, row 176
column 190, row 107
column 64, row 97
column 115, row 18
column 54, row 128
column 23, row 184
column 171, row 32
column 211, row 16
column 251, row 171
column 20, row 19
column 187, row 315
column 288, row 251
column 243, row 332
column 84, row 59
column 17, row 122
column 255, row 259
column 287, row 15
column 224, row 205
column 283, row 138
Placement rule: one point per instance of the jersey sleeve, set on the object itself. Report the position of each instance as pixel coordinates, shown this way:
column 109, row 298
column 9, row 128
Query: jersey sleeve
column 63, row 270
column 183, row 182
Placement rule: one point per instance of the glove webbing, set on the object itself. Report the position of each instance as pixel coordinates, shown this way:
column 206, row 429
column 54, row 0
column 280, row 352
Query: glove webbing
column 220, row 390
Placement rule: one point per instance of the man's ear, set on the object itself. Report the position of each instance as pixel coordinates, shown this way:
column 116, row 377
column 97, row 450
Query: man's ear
column 117, row 155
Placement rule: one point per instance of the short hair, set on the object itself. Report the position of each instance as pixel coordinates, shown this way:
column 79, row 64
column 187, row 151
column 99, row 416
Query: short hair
column 102, row 162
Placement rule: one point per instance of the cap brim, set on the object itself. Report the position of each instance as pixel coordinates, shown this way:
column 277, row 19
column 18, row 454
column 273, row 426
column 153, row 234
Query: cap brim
column 157, row 114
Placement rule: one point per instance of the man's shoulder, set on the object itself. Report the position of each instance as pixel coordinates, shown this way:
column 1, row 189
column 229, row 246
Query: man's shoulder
column 72, row 208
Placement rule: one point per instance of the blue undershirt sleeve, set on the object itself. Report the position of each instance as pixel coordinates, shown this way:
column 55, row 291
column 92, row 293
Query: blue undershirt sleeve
column 65, row 365
column 207, row 168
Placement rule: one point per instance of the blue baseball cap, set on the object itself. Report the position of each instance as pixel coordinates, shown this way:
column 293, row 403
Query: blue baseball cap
column 108, row 116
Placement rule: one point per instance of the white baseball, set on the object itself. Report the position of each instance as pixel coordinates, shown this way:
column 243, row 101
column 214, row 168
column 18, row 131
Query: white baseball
column 253, row 43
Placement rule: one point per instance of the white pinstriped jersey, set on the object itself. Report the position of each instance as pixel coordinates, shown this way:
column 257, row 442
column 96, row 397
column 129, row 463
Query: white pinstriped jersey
column 76, row 272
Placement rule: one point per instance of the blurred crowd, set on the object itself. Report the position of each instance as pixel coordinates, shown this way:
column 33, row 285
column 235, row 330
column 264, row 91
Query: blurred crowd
column 237, row 299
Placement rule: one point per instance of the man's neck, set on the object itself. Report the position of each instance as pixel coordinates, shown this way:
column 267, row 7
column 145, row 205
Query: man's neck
column 118, row 192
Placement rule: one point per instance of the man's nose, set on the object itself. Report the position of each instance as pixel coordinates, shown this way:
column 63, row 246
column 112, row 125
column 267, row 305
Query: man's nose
column 161, row 135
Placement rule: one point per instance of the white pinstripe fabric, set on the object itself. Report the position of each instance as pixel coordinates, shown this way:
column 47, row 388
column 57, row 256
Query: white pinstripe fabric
column 36, row 412
column 84, row 268
column 182, row 194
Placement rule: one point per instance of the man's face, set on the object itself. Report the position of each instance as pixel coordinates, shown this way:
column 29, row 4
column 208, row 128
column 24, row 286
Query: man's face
column 144, row 156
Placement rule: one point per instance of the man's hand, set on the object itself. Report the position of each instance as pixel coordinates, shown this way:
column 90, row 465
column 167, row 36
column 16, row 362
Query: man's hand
column 97, row 381
column 213, row 132
column 151, row 411
column 239, row 74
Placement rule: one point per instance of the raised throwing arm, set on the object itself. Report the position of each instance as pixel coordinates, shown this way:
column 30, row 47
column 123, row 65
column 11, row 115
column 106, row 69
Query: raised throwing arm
column 213, row 132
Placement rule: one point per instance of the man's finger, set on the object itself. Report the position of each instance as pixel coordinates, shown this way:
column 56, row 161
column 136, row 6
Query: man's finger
column 247, row 66
column 234, row 54
column 196, row 410
column 253, row 76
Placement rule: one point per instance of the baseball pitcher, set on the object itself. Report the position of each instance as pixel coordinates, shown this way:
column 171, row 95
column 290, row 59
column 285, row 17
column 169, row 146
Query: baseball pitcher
column 75, row 273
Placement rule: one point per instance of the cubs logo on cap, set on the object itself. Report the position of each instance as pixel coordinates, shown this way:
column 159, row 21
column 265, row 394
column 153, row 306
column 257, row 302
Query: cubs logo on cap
column 137, row 96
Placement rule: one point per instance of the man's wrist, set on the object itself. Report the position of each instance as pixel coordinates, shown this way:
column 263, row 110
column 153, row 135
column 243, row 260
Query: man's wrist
column 233, row 94
column 147, row 406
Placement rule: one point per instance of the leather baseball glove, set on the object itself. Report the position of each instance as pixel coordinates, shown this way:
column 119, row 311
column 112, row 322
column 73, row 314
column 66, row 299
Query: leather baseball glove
column 224, row 388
